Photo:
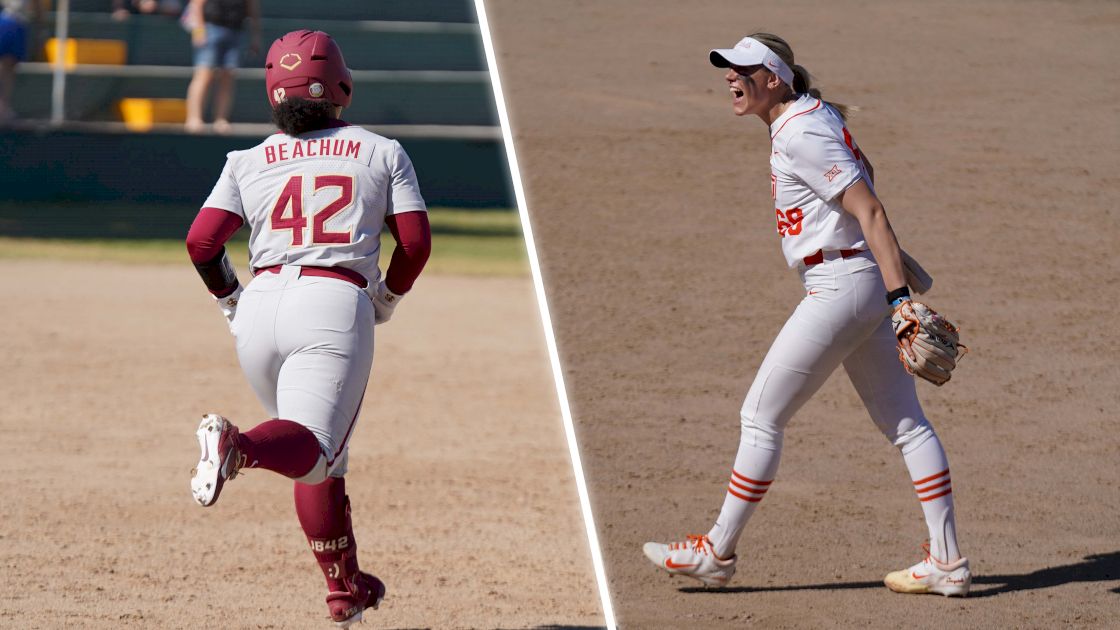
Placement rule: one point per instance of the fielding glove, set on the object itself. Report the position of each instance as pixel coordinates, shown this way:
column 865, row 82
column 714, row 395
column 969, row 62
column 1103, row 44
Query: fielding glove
column 928, row 344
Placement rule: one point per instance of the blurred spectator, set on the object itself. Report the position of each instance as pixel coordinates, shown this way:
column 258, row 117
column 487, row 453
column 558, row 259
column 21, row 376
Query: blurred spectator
column 217, row 34
column 122, row 9
column 13, row 46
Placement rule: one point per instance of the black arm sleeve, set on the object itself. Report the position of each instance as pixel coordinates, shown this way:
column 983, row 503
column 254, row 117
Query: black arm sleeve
column 218, row 274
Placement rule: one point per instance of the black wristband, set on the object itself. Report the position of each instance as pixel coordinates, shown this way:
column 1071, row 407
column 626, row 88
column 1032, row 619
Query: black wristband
column 218, row 274
column 903, row 291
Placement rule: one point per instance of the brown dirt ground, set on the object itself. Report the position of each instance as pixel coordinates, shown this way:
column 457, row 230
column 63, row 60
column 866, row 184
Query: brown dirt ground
column 460, row 480
column 993, row 128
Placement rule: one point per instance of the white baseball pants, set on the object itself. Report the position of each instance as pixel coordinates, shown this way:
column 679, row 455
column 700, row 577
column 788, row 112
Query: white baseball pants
column 306, row 348
column 843, row 319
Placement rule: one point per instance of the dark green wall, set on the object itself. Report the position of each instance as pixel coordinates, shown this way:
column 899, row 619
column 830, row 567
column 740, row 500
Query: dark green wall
column 181, row 169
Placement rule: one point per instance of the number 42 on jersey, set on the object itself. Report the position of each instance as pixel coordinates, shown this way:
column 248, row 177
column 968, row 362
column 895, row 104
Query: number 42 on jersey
column 287, row 213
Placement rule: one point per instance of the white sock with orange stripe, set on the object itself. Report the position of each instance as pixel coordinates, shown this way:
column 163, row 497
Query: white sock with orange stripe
column 929, row 470
column 750, row 479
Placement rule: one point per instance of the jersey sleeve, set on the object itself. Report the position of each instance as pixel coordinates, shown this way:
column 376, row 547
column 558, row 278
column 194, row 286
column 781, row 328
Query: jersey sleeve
column 404, row 191
column 414, row 244
column 823, row 162
column 226, row 195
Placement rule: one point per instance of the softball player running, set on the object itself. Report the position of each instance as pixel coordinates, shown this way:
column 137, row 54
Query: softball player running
column 835, row 232
column 315, row 197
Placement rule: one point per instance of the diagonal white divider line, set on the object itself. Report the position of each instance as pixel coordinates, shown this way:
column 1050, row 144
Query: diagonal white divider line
column 546, row 319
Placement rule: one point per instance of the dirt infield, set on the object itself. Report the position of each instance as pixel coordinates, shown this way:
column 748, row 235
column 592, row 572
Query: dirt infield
column 993, row 129
column 462, row 489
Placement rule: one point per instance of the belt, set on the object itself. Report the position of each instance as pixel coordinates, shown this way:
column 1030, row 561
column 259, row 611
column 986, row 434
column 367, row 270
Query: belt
column 338, row 273
column 818, row 257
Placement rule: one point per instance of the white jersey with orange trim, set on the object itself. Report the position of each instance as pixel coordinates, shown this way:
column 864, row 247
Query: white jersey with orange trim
column 842, row 319
column 813, row 159
column 319, row 199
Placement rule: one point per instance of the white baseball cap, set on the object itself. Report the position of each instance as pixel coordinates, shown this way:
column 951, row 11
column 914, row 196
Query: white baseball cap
column 751, row 52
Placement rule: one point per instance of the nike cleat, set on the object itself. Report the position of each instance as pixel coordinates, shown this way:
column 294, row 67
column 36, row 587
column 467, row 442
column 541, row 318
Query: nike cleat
column 931, row 576
column 219, row 461
column 363, row 592
column 693, row 558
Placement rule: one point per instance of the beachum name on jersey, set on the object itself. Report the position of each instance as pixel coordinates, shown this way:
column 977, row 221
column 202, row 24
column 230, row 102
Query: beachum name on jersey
column 324, row 147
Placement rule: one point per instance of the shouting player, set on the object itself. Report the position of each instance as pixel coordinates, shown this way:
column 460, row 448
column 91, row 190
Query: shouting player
column 835, row 232
column 315, row 197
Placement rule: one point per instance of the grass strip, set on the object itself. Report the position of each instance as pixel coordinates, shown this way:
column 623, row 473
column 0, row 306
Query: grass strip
column 470, row 242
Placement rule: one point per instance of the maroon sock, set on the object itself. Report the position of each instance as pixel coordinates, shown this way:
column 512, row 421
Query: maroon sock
column 282, row 446
column 324, row 514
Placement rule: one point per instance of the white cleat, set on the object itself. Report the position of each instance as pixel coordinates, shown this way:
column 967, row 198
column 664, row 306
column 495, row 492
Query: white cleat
column 931, row 576
column 693, row 558
column 219, row 460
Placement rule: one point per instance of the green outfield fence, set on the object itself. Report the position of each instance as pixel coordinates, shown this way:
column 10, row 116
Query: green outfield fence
column 107, row 164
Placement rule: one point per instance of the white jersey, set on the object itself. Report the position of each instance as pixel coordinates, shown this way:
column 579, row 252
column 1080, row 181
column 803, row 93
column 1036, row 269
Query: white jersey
column 813, row 159
column 319, row 199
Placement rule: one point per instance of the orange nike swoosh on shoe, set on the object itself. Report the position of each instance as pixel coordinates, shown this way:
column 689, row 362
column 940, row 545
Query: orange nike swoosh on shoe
column 918, row 577
column 673, row 565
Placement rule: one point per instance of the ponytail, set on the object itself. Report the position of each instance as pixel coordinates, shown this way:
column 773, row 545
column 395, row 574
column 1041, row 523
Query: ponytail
column 802, row 80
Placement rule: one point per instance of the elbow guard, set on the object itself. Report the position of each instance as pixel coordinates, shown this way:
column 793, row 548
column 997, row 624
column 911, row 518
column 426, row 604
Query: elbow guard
column 218, row 274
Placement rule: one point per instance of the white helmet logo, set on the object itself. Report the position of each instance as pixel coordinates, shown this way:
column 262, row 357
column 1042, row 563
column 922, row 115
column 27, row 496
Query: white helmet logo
column 315, row 89
column 278, row 94
column 290, row 61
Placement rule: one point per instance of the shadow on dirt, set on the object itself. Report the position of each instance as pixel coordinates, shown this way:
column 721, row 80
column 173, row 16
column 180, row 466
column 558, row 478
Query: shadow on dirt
column 834, row 586
column 1102, row 567
column 569, row 628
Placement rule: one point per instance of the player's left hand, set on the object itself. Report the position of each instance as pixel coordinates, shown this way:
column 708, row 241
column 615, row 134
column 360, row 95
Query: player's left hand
column 928, row 344
column 228, row 305
column 384, row 302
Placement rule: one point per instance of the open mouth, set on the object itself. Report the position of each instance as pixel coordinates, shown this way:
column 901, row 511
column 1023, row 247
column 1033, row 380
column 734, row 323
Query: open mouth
column 736, row 93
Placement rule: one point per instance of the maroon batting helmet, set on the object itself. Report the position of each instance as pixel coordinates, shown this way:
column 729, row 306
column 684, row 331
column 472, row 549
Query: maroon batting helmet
column 307, row 64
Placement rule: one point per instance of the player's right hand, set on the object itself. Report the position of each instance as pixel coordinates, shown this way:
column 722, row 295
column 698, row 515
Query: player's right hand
column 384, row 302
column 228, row 305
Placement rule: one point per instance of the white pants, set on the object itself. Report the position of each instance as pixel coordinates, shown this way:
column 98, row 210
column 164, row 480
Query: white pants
column 842, row 319
column 306, row 347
